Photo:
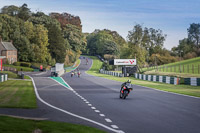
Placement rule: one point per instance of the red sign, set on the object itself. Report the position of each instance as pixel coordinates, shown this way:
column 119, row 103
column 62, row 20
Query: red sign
column 1, row 63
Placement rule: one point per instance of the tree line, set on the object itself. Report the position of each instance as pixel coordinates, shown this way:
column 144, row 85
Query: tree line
column 41, row 38
column 58, row 38
column 144, row 44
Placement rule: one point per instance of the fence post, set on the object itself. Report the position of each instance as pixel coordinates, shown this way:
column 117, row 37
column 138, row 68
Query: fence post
column 188, row 68
column 183, row 68
column 180, row 68
column 198, row 68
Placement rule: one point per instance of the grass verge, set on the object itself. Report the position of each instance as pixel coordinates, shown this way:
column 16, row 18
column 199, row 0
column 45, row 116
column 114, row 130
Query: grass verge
column 16, row 125
column 68, row 69
column 17, row 94
column 190, row 66
column 26, row 69
column 181, row 89
column 14, row 75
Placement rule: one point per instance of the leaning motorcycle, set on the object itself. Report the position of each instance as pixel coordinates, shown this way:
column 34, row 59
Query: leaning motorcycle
column 125, row 90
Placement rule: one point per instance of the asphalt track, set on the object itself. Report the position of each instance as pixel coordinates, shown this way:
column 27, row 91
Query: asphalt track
column 144, row 111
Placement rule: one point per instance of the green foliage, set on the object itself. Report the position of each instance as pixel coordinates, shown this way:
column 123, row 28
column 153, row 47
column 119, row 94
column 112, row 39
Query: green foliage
column 144, row 42
column 194, row 34
column 16, row 125
column 16, row 63
column 189, row 47
column 56, row 41
column 10, row 10
column 27, row 69
column 74, row 36
column 75, row 42
column 24, row 12
column 25, row 64
column 102, row 43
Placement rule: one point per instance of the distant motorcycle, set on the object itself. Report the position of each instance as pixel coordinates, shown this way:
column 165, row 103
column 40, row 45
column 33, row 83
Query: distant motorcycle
column 79, row 74
column 125, row 90
column 72, row 74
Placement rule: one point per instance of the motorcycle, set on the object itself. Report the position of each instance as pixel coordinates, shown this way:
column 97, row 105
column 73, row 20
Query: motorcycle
column 125, row 90
column 72, row 74
column 79, row 74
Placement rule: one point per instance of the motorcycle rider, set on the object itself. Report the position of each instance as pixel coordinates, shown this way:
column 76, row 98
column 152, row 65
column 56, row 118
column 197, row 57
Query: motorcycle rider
column 125, row 83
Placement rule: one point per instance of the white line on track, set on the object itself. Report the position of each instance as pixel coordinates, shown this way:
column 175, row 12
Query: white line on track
column 93, row 108
column 97, row 111
column 114, row 126
column 102, row 115
column 72, row 114
column 108, row 120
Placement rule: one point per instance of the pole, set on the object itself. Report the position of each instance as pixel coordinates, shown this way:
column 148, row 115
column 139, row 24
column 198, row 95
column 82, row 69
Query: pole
column 1, row 64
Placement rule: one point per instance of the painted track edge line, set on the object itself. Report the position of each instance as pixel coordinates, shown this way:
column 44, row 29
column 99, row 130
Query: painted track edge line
column 69, row 113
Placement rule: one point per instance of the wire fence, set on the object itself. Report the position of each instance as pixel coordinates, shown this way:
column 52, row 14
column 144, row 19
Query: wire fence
column 189, row 68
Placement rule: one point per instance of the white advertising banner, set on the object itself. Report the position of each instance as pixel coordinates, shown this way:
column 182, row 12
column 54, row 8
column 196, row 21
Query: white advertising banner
column 124, row 61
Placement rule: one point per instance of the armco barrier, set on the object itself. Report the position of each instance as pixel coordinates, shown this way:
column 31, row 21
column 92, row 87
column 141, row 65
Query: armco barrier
column 192, row 81
column 3, row 77
column 157, row 78
column 111, row 73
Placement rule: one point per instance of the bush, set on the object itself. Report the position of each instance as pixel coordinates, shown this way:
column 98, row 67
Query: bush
column 25, row 64
column 190, row 55
column 16, row 63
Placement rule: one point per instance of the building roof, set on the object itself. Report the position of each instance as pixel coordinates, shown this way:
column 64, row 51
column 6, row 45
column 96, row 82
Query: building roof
column 8, row 46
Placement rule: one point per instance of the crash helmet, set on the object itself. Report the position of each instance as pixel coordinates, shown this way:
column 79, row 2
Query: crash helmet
column 129, row 81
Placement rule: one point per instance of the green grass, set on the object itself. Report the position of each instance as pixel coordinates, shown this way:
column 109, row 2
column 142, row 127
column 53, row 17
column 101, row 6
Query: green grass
column 68, row 69
column 13, row 75
column 181, row 89
column 97, row 64
column 191, row 66
column 17, row 94
column 16, row 125
column 27, row 69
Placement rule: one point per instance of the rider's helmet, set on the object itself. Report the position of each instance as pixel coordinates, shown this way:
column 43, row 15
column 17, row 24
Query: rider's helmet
column 129, row 81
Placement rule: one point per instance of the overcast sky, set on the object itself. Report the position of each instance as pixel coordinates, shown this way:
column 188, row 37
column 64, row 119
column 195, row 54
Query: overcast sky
column 173, row 17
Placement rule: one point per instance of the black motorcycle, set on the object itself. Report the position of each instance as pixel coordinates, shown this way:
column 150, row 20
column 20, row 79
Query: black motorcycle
column 125, row 90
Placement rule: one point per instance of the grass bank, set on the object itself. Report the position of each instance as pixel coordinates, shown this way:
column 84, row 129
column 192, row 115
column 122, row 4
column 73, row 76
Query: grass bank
column 16, row 125
column 70, row 68
column 190, row 66
column 17, row 94
column 26, row 69
column 14, row 75
column 181, row 89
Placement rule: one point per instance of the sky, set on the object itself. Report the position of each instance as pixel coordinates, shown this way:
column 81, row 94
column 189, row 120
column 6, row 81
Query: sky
column 173, row 17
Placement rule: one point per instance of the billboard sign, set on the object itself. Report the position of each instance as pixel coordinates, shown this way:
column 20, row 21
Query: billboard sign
column 124, row 61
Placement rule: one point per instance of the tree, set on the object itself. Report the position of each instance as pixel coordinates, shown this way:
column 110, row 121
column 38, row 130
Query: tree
column 102, row 43
column 194, row 34
column 14, row 29
column 10, row 10
column 57, row 44
column 24, row 12
column 185, row 46
column 74, row 36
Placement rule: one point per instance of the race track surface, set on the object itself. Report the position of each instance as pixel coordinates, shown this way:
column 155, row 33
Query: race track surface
column 144, row 111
